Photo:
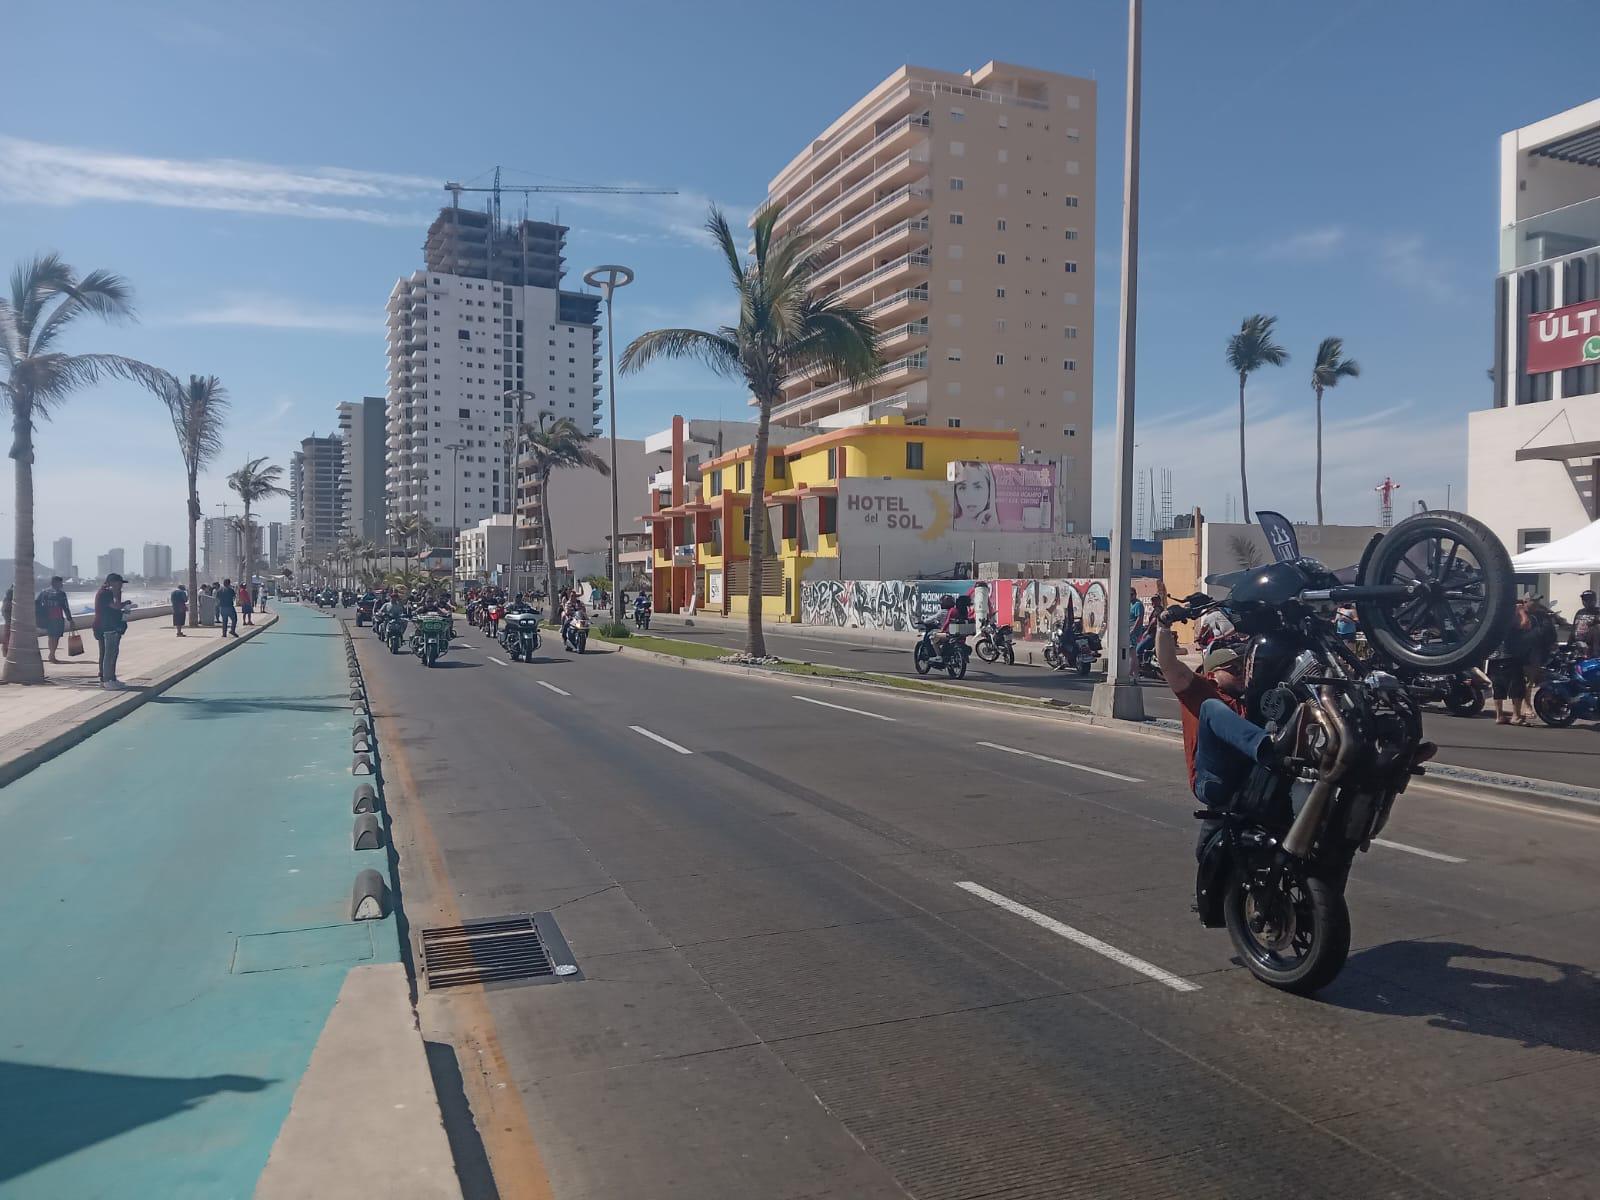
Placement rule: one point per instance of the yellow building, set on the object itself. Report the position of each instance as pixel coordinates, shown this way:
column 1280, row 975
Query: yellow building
column 804, row 537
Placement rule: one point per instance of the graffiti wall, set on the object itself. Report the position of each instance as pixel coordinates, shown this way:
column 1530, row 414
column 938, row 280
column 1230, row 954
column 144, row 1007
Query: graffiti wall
column 1030, row 606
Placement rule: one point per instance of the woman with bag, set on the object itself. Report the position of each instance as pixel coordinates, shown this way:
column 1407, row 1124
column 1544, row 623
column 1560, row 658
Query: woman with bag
column 53, row 612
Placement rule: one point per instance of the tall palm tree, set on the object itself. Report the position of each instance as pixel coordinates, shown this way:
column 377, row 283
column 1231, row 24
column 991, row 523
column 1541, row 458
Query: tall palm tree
column 1330, row 367
column 46, row 297
column 199, row 410
column 1248, row 351
column 782, row 328
column 254, row 482
column 554, row 444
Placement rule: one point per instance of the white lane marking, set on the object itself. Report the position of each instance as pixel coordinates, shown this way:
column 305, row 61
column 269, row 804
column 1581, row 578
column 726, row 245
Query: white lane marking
column 860, row 712
column 656, row 737
column 1175, row 982
column 552, row 687
column 1061, row 762
column 497, row 661
column 818, row 650
column 1449, row 858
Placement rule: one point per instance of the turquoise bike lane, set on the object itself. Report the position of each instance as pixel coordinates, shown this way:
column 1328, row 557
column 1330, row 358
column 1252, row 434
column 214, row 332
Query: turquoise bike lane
column 176, row 896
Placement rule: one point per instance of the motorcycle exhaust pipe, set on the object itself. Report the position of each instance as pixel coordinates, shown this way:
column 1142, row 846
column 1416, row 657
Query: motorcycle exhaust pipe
column 1482, row 678
column 1302, row 834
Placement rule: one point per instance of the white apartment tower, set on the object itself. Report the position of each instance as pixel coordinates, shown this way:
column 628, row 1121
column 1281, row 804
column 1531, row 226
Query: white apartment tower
column 485, row 317
column 959, row 210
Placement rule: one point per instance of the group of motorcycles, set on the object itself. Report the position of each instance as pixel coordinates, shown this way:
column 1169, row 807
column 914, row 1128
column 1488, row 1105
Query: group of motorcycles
column 1070, row 648
column 430, row 629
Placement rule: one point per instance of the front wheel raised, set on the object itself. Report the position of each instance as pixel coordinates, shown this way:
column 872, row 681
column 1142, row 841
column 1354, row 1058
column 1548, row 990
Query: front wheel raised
column 1292, row 933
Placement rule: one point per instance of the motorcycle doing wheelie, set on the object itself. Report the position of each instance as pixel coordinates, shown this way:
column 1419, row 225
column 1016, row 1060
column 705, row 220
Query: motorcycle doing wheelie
column 1433, row 594
column 521, row 635
column 996, row 642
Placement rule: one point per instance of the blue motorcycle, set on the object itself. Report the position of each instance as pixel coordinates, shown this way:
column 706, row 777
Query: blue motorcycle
column 1571, row 689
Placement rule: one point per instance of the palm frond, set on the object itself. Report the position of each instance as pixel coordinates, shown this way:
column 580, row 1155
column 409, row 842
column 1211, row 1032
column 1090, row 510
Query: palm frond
column 722, row 234
column 99, row 293
column 839, row 338
column 50, row 378
column 713, row 350
column 1253, row 348
column 32, row 284
column 199, row 411
column 1331, row 364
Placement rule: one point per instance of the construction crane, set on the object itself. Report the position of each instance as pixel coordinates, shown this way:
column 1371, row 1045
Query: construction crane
column 455, row 189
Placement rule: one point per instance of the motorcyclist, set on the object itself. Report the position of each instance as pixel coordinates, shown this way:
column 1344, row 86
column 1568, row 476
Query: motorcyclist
column 1586, row 625
column 519, row 603
column 392, row 607
column 957, row 611
column 641, row 605
column 573, row 609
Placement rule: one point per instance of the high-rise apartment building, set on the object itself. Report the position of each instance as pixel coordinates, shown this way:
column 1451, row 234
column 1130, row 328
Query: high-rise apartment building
column 277, row 546
column 157, row 562
column 361, row 471
column 314, row 498
column 61, row 558
column 959, row 209
column 219, row 549
column 110, row 562
column 486, row 316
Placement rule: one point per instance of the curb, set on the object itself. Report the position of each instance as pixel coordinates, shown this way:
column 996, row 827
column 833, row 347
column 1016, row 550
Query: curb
column 1462, row 782
column 15, row 768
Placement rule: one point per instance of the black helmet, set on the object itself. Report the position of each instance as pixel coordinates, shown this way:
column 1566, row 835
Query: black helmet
column 947, row 601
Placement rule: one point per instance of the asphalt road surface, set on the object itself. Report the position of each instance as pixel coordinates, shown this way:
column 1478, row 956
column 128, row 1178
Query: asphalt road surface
column 842, row 943
column 1537, row 752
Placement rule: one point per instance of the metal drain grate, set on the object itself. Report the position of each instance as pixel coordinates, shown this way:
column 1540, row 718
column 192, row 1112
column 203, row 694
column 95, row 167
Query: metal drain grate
column 488, row 951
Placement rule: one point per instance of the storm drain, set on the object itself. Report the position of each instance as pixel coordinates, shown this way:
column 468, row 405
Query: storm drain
column 525, row 947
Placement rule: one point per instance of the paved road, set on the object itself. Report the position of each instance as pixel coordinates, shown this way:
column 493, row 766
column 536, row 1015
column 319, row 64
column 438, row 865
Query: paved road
column 1562, row 755
column 787, row 991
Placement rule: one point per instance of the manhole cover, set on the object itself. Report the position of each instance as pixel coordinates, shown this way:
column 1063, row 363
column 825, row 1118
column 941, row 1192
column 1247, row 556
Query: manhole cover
column 496, row 950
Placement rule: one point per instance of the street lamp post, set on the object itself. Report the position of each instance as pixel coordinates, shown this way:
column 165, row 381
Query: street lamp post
column 1119, row 696
column 608, row 279
column 455, row 449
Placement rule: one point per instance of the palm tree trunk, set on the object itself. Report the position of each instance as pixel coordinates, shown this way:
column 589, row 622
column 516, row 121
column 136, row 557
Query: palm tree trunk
column 194, row 567
column 23, row 664
column 244, row 543
column 1319, row 457
column 547, row 537
column 1244, row 479
column 755, row 634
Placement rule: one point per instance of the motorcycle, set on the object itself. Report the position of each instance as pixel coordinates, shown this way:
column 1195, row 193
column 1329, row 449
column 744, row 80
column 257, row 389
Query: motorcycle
column 1080, row 650
column 394, row 632
column 951, row 658
column 364, row 610
column 430, row 640
column 1463, row 693
column 575, row 633
column 492, row 616
column 521, row 636
column 1571, row 688
column 995, row 642
column 1434, row 593
column 641, row 616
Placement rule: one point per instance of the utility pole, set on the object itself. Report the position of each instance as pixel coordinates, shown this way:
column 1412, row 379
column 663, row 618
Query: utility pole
column 1119, row 696
column 608, row 279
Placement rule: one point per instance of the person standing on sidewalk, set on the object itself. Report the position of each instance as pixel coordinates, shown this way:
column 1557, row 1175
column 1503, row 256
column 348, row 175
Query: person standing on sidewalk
column 226, row 613
column 247, row 602
column 53, row 612
column 6, row 607
column 180, row 607
column 110, row 621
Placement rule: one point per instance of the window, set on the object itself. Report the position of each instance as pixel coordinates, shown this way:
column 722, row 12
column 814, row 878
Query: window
column 955, row 251
column 1000, row 325
column 958, row 115
column 716, row 483
column 953, row 355
column 1000, row 225
column 999, row 360
column 747, row 526
column 1071, row 331
column 1072, row 202
column 954, row 422
column 957, row 149
column 828, row 513
column 957, row 218
column 955, row 285
column 1004, row 124
column 1072, row 267
column 957, row 184
column 780, row 467
column 738, row 478
column 463, row 413
column 1070, row 297
column 1000, row 259
column 1072, row 235
column 913, row 456
column 999, row 293
column 833, row 462
column 463, row 335
column 1002, row 156
column 1070, row 364
column 1069, row 431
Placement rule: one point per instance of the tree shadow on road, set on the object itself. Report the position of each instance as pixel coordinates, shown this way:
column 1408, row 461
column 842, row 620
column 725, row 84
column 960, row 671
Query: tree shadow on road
column 52, row 1112
column 1470, row 989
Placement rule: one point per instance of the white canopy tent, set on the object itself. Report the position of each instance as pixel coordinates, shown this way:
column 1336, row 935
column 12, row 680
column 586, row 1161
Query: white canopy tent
column 1577, row 553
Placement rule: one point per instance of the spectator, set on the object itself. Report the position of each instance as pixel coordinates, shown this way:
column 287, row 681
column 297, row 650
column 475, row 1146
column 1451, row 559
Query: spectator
column 1543, row 637
column 6, row 607
column 1586, row 625
column 180, row 608
column 226, row 613
column 1506, row 669
column 54, row 613
column 110, row 622
column 247, row 602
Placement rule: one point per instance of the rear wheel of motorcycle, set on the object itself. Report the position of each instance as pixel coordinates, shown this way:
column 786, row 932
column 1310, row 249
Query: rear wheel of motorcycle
column 984, row 648
column 1305, row 936
column 1464, row 700
column 958, row 669
column 1553, row 709
column 1011, row 656
column 1467, row 605
column 922, row 659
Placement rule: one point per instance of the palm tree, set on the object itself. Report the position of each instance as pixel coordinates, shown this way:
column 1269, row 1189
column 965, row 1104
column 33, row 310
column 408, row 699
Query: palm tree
column 1331, row 366
column 549, row 446
column 782, row 328
column 1248, row 351
column 198, row 411
column 46, row 297
column 254, row 483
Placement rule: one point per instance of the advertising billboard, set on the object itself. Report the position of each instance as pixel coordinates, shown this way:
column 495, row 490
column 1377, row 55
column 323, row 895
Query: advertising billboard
column 1002, row 497
column 1564, row 338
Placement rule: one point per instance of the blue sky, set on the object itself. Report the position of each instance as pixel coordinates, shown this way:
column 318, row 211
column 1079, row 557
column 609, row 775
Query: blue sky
column 262, row 174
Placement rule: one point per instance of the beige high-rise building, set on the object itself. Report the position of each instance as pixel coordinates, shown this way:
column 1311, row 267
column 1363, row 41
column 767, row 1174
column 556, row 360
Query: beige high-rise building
column 961, row 211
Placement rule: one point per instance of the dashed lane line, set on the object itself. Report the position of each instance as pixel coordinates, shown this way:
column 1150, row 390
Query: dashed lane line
column 860, row 712
column 1417, row 850
column 553, row 688
column 1061, row 762
column 656, row 737
column 498, row 661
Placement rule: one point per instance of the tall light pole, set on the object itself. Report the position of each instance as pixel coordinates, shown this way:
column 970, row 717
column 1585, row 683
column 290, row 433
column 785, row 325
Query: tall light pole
column 455, row 449
column 608, row 279
column 1119, row 696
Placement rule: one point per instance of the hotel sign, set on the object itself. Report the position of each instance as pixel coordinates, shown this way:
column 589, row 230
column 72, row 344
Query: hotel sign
column 1565, row 338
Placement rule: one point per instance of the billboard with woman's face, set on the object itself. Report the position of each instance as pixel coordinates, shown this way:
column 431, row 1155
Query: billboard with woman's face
column 1003, row 497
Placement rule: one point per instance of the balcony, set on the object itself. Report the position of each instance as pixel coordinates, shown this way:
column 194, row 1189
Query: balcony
column 903, row 169
column 911, row 198
column 891, row 137
column 893, row 238
column 900, row 304
column 897, row 372
column 914, row 264
column 1555, row 234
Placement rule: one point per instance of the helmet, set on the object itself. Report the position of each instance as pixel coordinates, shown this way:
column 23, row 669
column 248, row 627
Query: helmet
column 947, row 602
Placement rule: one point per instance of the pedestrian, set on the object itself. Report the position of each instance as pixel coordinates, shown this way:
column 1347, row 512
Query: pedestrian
column 247, row 603
column 1506, row 669
column 110, row 622
column 1543, row 638
column 261, row 597
column 180, row 608
column 226, row 613
column 1586, row 626
column 53, row 612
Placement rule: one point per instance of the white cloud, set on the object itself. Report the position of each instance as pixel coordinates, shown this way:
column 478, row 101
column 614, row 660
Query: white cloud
column 41, row 173
column 1307, row 244
column 277, row 312
column 1405, row 259
column 680, row 218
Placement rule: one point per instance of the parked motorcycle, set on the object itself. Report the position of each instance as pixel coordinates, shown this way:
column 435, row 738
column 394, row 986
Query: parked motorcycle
column 1434, row 593
column 1463, row 693
column 1080, row 651
column 521, row 636
column 1571, row 688
column 996, row 642
column 575, row 633
column 951, row 657
column 431, row 638
column 394, row 632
